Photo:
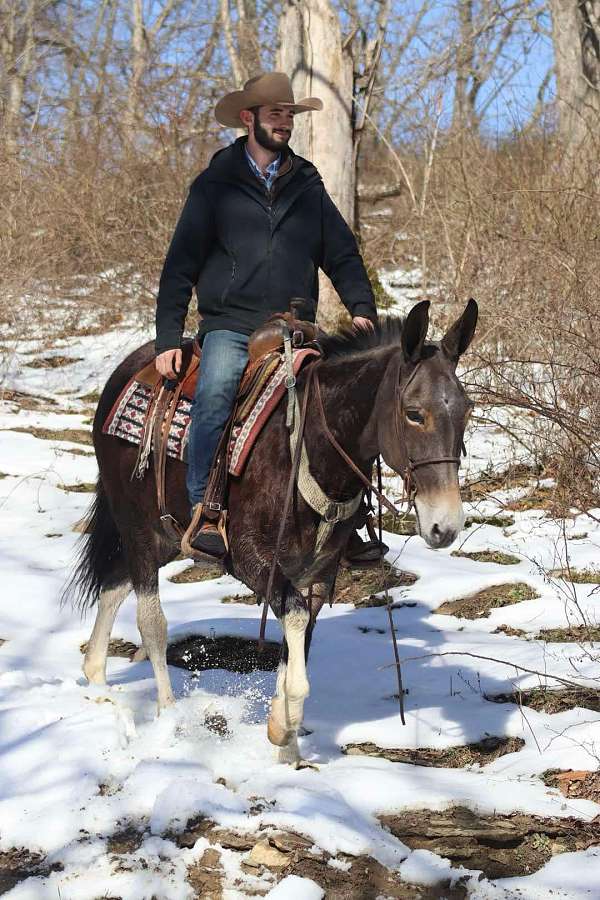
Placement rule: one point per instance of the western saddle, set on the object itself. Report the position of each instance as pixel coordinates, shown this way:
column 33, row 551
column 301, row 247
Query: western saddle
column 280, row 334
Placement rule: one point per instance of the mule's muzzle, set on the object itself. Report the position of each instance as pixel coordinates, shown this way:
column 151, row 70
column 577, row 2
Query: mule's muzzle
column 440, row 517
column 440, row 536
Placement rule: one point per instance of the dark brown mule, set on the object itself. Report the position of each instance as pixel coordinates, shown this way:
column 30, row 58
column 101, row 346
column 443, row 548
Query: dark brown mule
column 388, row 393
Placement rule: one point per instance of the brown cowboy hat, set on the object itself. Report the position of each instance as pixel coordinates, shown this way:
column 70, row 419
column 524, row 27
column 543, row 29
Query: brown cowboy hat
column 269, row 89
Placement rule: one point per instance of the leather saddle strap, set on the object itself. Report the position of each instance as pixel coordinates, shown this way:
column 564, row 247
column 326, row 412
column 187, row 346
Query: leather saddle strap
column 312, row 371
column 167, row 406
column 214, row 495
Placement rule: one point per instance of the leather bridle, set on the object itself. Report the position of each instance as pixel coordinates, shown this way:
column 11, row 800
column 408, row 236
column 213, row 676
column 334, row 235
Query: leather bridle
column 409, row 464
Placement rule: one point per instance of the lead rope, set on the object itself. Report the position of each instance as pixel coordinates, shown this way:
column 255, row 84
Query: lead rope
column 388, row 597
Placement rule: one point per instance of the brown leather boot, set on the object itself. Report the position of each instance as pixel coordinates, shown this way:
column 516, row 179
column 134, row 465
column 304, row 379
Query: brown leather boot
column 204, row 536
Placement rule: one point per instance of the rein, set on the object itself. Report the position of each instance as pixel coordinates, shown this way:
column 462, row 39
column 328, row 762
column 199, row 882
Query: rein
column 406, row 472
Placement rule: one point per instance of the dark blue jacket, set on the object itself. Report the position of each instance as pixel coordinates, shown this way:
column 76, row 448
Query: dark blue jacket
column 247, row 250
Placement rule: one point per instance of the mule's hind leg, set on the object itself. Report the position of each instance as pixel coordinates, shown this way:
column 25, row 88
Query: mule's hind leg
column 151, row 620
column 109, row 601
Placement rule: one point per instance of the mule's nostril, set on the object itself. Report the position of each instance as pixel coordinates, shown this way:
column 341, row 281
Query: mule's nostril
column 441, row 537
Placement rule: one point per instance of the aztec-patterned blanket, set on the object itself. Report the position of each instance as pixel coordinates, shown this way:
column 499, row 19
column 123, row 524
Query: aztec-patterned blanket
column 127, row 417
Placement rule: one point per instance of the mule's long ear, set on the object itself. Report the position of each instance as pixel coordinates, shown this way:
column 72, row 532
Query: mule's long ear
column 414, row 331
column 459, row 336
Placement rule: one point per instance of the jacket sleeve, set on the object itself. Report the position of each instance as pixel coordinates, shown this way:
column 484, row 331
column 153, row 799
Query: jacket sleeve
column 185, row 258
column 343, row 264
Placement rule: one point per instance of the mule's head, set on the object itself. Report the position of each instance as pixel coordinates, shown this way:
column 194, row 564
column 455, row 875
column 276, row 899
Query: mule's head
column 422, row 413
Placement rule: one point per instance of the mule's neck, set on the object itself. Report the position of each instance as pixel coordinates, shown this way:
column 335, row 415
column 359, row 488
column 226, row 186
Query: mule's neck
column 349, row 387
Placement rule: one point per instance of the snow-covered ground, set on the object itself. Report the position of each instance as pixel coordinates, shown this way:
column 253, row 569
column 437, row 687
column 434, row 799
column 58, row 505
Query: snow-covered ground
column 79, row 763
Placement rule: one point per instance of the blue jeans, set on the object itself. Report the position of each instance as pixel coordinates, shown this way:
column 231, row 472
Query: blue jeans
column 224, row 357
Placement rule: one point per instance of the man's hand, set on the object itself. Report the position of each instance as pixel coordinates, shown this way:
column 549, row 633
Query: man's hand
column 360, row 323
column 169, row 363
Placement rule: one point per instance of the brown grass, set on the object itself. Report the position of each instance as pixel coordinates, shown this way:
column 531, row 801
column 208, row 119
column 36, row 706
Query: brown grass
column 551, row 700
column 458, row 757
column 480, row 605
column 492, row 556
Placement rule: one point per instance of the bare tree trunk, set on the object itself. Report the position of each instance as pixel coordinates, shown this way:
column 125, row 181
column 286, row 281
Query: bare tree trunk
column 312, row 54
column 17, row 46
column 139, row 61
column 462, row 113
column 241, row 39
column 576, row 37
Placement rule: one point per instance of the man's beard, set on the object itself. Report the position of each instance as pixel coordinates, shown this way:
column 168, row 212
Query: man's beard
column 263, row 138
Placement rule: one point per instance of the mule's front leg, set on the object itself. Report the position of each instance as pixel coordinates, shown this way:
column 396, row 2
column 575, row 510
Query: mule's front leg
column 287, row 706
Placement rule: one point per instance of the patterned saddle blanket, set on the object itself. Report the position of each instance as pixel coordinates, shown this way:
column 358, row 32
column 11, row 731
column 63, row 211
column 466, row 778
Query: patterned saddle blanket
column 129, row 414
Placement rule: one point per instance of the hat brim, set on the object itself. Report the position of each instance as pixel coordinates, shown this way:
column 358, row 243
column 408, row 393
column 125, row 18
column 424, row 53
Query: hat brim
column 227, row 110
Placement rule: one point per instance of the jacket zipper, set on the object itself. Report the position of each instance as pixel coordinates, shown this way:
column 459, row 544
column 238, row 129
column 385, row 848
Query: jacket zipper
column 270, row 248
column 231, row 280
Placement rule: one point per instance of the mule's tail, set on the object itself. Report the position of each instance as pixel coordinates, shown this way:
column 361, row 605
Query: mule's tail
column 100, row 552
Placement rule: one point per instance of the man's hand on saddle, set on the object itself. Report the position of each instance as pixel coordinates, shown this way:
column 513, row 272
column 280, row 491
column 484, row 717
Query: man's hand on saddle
column 360, row 323
column 169, row 363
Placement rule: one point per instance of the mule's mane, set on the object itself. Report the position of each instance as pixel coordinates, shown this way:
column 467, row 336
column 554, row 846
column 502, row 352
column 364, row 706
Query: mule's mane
column 347, row 342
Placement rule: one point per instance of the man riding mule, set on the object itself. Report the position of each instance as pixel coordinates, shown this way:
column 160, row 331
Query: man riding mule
column 257, row 225
column 385, row 392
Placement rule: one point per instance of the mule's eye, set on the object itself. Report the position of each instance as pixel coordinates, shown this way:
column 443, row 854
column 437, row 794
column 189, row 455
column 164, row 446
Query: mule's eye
column 415, row 417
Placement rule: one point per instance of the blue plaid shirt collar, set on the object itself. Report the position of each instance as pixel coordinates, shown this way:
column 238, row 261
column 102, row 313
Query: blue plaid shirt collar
column 272, row 169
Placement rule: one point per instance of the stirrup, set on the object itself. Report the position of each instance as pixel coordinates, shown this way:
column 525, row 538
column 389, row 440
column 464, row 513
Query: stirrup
column 187, row 547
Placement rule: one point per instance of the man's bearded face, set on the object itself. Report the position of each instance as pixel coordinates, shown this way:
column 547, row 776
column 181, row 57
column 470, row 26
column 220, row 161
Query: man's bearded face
column 273, row 126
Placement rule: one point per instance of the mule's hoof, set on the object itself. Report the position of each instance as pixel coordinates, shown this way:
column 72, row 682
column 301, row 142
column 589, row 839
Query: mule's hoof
column 277, row 735
column 305, row 764
column 165, row 702
column 94, row 674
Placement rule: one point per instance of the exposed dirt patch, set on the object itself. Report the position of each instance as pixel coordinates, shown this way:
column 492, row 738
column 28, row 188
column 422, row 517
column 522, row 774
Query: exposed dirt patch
column 246, row 599
column 538, row 498
column 500, row 846
column 404, row 524
column 479, row 605
column 77, row 451
column 29, row 401
column 196, row 573
column 18, row 864
column 75, row 435
column 84, row 487
column 496, row 521
column 580, row 784
column 52, row 362
column 510, row 631
column 116, row 647
column 355, row 585
column 366, row 879
column 127, row 841
column 206, row 875
column 574, row 635
column 551, row 701
column 489, row 556
column 360, row 586
column 480, row 752
column 578, row 576
column 93, row 397
column 284, row 853
column 235, row 654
